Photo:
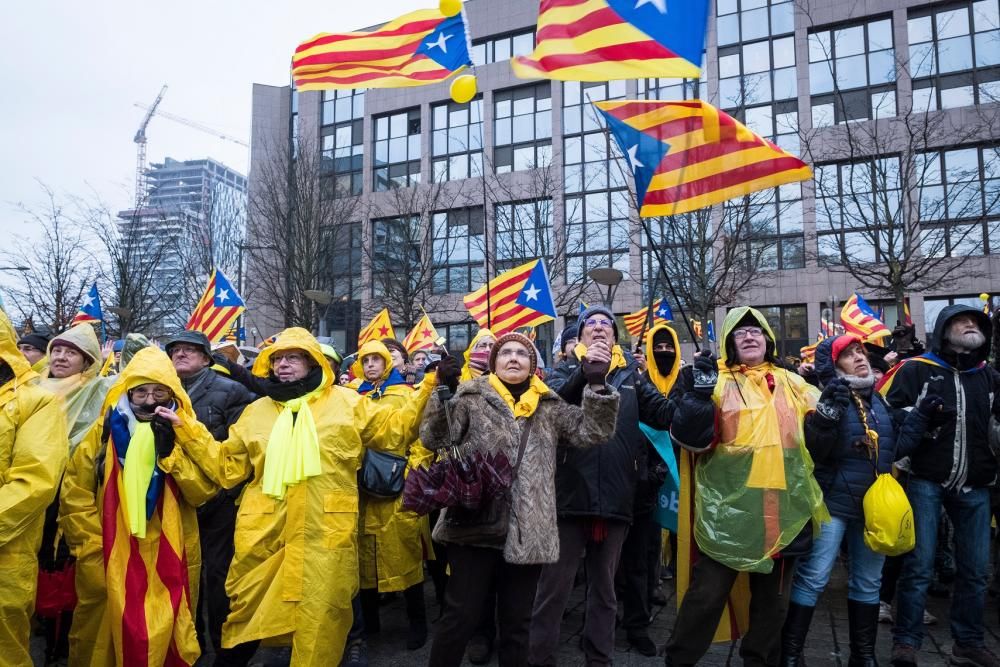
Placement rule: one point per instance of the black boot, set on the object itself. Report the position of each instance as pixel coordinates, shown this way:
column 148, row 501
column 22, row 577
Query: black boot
column 416, row 611
column 793, row 634
column 369, row 607
column 862, row 620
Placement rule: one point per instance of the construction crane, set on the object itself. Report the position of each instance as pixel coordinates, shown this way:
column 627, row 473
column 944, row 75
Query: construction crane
column 140, row 140
column 190, row 123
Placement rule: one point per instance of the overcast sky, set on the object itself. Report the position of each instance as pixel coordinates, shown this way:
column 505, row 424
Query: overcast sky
column 70, row 73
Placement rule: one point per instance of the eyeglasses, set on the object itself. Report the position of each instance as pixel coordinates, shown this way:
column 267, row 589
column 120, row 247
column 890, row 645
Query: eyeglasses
column 293, row 358
column 597, row 322
column 185, row 350
column 743, row 332
column 140, row 395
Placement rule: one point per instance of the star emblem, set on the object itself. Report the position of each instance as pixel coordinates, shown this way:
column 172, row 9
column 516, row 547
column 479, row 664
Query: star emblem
column 442, row 41
column 88, row 302
column 661, row 5
column 633, row 159
column 223, row 295
column 531, row 294
column 661, row 313
column 426, row 333
column 383, row 331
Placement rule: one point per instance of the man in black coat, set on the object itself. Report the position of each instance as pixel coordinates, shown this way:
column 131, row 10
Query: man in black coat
column 595, row 490
column 218, row 402
column 954, row 468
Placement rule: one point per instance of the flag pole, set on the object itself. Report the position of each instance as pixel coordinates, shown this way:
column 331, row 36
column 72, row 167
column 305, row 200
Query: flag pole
column 486, row 226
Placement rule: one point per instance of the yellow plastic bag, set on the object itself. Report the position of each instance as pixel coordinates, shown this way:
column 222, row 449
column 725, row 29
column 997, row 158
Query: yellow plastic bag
column 888, row 518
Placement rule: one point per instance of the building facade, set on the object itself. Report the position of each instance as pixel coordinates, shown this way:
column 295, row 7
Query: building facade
column 890, row 101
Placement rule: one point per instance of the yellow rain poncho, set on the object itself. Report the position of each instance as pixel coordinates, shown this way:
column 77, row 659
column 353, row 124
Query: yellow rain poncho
column 467, row 372
column 295, row 568
column 755, row 490
column 33, row 447
column 106, row 626
column 83, row 394
column 393, row 542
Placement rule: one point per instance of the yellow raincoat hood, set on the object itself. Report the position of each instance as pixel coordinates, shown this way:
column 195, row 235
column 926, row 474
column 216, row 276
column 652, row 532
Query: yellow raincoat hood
column 372, row 347
column 294, row 338
column 733, row 318
column 150, row 365
column 466, row 371
column 12, row 356
column 84, row 392
column 663, row 382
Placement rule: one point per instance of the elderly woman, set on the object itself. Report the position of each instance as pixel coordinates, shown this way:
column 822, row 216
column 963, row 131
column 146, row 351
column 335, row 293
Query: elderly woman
column 509, row 410
column 852, row 439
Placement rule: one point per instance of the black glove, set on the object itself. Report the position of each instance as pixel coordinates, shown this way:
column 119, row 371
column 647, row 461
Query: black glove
column 835, row 400
column 706, row 374
column 938, row 413
column 930, row 405
column 448, row 371
column 596, row 372
column 163, row 437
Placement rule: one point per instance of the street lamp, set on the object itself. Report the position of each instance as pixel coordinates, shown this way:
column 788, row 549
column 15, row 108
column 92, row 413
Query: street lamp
column 22, row 269
column 608, row 277
column 323, row 298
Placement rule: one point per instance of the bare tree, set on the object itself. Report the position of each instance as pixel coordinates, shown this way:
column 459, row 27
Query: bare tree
column 295, row 224
column 59, row 266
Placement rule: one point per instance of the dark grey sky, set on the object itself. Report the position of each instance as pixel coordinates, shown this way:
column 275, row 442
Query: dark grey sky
column 71, row 71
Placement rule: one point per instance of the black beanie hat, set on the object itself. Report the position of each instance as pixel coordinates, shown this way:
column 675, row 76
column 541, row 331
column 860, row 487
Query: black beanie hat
column 567, row 334
column 596, row 310
column 39, row 341
column 662, row 336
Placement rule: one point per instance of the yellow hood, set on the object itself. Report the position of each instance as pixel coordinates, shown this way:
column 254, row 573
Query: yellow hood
column 482, row 333
column 11, row 355
column 294, row 338
column 372, row 347
column 733, row 318
column 150, row 365
column 663, row 382
column 82, row 337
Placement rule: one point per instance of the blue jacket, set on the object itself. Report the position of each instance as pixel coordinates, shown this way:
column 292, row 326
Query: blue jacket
column 844, row 467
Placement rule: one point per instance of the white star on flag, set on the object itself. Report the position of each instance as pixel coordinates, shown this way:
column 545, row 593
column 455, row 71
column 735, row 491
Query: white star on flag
column 88, row 302
column 531, row 294
column 661, row 5
column 441, row 43
column 633, row 160
column 223, row 295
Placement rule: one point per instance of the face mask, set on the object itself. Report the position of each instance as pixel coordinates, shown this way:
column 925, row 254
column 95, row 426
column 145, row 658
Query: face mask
column 146, row 411
column 664, row 361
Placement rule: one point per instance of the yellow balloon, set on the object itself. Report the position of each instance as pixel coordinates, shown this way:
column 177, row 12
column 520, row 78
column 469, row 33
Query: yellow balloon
column 984, row 296
column 463, row 88
column 450, row 7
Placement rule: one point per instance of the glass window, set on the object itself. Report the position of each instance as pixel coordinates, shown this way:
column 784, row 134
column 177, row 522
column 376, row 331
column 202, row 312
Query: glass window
column 457, row 241
column 342, row 143
column 397, row 150
column 522, row 123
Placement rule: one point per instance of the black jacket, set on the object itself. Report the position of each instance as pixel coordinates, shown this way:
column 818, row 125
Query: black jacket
column 956, row 453
column 602, row 481
column 218, row 402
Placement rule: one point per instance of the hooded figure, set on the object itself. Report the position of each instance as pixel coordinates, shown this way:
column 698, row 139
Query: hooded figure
column 295, row 568
column 33, row 446
column 82, row 393
column 475, row 365
column 130, row 522
column 393, row 542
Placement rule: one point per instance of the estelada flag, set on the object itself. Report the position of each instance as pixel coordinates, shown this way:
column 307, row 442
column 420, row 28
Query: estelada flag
column 859, row 319
column 688, row 155
column 90, row 309
column 422, row 336
column 218, row 308
column 601, row 40
column 422, row 47
column 380, row 327
column 520, row 297
column 635, row 322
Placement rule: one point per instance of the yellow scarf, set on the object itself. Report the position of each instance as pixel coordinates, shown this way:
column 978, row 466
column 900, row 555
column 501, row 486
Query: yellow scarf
column 617, row 356
column 528, row 403
column 138, row 470
column 292, row 449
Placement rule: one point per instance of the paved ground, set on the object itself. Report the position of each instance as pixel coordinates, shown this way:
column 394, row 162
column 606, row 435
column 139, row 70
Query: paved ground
column 827, row 643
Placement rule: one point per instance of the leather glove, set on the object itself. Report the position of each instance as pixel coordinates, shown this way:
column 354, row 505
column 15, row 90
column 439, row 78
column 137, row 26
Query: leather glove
column 163, row 437
column 448, row 372
column 596, row 372
column 835, row 400
column 930, row 405
column 706, row 374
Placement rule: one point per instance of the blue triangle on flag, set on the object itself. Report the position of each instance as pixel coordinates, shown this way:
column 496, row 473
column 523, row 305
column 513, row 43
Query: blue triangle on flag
column 536, row 293
column 711, row 331
column 583, row 309
column 448, row 44
column 225, row 295
column 863, row 306
column 678, row 26
column 92, row 305
column 642, row 152
column 663, row 311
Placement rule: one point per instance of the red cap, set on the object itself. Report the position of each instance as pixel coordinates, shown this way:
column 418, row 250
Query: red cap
column 841, row 343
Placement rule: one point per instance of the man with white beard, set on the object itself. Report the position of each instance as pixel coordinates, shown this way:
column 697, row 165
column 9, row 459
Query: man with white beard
column 953, row 468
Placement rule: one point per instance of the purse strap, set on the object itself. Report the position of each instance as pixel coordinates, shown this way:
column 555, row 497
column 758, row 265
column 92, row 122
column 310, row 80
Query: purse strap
column 525, row 431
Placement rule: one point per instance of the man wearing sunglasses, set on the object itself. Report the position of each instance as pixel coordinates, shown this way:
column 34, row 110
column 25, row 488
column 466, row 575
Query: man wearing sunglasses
column 595, row 489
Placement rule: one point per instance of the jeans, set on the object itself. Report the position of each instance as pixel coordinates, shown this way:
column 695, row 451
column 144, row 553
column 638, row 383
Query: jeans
column 970, row 514
column 864, row 568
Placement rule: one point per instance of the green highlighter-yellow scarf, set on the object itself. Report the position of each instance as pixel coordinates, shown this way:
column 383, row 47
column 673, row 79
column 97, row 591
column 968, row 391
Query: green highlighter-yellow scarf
column 292, row 449
column 140, row 458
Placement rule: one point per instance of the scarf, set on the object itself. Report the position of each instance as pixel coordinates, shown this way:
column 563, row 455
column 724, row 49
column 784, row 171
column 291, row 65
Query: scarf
column 617, row 356
column 380, row 386
column 193, row 383
column 142, row 481
column 285, row 391
column 292, row 453
column 527, row 403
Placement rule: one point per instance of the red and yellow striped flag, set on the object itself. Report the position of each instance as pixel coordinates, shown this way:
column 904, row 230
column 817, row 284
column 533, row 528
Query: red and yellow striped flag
column 218, row 308
column 635, row 322
column 419, row 48
column 380, row 327
column 859, row 319
column 520, row 297
column 688, row 155
column 422, row 336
